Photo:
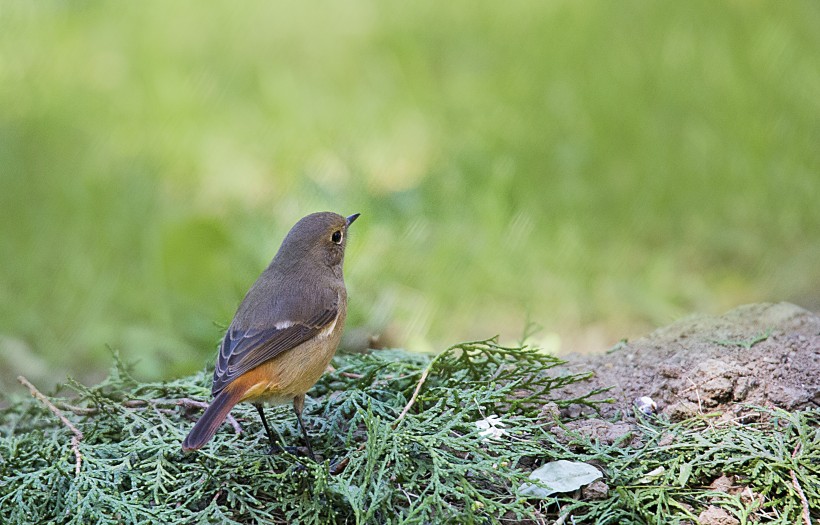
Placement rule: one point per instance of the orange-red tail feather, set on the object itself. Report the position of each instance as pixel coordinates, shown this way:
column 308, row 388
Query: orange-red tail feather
column 214, row 415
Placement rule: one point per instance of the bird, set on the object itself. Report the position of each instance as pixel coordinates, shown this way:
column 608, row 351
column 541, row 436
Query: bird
column 285, row 331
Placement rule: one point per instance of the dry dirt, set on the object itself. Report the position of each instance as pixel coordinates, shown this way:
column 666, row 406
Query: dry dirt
column 760, row 354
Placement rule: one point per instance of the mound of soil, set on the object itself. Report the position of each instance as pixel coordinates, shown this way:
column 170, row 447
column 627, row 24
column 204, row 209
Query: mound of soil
column 759, row 354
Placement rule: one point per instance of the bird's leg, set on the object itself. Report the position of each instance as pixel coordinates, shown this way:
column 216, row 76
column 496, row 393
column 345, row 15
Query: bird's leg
column 298, row 406
column 273, row 446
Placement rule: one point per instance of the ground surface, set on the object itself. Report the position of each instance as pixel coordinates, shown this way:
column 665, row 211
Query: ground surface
column 760, row 354
column 401, row 431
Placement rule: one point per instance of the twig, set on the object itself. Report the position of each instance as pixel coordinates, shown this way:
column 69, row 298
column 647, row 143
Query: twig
column 799, row 490
column 75, row 439
column 415, row 395
column 406, row 495
column 80, row 411
column 697, row 394
column 562, row 518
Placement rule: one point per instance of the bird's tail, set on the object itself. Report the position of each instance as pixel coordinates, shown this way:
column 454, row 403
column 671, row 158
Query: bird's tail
column 214, row 415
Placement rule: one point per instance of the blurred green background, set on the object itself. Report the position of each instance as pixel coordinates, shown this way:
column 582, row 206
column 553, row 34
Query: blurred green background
column 597, row 168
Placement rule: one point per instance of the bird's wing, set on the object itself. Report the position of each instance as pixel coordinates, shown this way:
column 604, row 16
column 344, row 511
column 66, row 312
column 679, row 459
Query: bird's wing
column 245, row 349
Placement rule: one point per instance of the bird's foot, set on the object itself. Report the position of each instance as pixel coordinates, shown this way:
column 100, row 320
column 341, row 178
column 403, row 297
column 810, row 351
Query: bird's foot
column 338, row 465
column 302, row 452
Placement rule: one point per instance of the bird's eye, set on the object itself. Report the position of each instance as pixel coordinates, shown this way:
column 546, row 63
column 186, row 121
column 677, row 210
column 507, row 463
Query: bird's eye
column 336, row 237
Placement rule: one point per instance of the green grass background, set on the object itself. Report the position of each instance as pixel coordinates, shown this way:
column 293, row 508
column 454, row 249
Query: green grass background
column 595, row 167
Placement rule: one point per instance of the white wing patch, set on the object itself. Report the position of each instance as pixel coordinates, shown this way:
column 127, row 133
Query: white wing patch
column 323, row 334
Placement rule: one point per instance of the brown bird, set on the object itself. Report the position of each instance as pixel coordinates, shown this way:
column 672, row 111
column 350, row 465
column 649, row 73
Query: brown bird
column 286, row 330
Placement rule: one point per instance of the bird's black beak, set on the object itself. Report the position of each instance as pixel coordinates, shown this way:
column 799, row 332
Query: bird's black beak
column 352, row 218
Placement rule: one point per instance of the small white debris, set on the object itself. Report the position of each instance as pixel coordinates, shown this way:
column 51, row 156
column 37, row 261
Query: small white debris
column 646, row 405
column 652, row 476
column 490, row 427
